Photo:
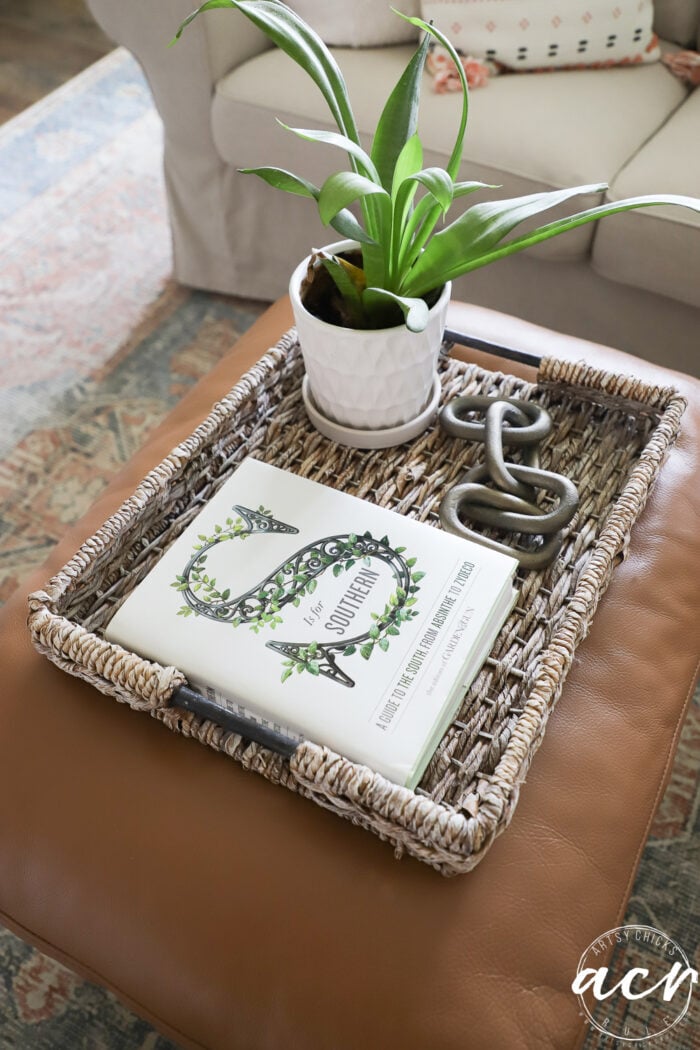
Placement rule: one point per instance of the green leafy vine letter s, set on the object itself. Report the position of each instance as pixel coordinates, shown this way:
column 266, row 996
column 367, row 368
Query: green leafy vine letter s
column 261, row 606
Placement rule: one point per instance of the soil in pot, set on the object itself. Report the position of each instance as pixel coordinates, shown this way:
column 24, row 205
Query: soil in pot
column 320, row 295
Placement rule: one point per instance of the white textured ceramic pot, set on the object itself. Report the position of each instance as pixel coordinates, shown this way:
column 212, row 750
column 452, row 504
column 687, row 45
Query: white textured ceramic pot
column 368, row 380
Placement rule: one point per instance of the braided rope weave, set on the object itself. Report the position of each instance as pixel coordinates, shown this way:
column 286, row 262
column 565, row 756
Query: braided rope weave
column 610, row 436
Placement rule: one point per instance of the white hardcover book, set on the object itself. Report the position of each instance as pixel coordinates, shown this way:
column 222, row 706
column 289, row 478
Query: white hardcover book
column 322, row 616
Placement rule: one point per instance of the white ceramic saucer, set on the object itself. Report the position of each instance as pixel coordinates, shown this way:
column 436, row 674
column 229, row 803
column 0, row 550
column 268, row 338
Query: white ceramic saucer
column 371, row 438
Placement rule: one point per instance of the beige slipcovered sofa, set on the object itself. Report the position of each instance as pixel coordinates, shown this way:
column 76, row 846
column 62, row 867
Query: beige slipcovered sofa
column 632, row 280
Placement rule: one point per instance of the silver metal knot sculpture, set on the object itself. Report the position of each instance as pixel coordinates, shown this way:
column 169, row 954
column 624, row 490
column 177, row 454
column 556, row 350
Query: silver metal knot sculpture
column 511, row 505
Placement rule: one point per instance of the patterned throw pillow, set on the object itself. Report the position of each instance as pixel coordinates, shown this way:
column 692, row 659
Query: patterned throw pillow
column 358, row 23
column 548, row 34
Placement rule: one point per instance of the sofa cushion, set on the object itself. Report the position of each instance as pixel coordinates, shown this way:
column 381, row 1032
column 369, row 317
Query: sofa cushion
column 361, row 23
column 670, row 163
column 529, row 132
column 538, row 34
column 677, row 20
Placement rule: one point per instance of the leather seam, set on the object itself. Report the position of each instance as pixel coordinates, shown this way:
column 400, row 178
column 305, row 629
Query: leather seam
column 661, row 788
column 663, row 783
column 88, row 973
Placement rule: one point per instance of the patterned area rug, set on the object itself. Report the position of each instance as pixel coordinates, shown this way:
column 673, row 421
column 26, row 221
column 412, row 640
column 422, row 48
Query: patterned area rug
column 96, row 346
column 86, row 298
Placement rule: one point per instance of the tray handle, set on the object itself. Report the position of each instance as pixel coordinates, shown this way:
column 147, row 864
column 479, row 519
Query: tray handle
column 464, row 339
column 191, row 701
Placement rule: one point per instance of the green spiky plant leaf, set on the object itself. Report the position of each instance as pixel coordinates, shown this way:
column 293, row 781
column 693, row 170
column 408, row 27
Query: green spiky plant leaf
column 408, row 250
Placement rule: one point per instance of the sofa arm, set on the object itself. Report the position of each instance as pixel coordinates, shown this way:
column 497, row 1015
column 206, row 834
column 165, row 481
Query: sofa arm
column 182, row 80
column 226, row 39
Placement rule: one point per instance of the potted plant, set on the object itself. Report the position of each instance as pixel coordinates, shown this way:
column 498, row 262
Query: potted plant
column 370, row 310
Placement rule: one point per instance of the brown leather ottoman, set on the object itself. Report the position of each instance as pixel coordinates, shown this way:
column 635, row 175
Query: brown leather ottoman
column 233, row 914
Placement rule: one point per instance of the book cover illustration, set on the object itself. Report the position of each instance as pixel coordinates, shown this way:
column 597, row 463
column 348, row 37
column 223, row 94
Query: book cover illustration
column 262, row 606
column 322, row 616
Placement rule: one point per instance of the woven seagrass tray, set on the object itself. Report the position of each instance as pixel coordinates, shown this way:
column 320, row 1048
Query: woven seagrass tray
column 610, row 436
